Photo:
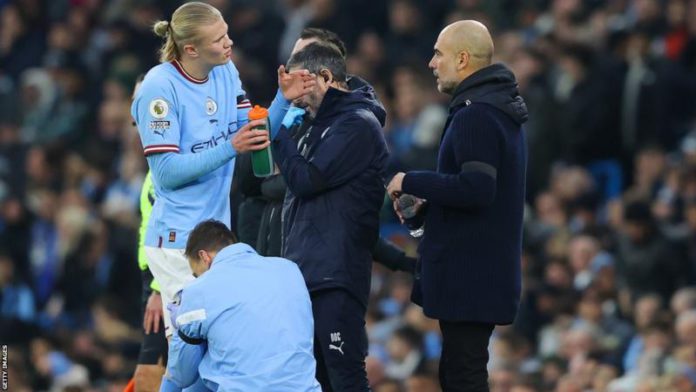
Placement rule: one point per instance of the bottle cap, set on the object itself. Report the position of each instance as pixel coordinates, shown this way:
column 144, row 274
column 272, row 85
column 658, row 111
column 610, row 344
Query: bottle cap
column 406, row 200
column 258, row 113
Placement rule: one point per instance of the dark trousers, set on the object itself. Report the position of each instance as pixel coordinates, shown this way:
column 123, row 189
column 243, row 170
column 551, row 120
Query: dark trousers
column 464, row 356
column 340, row 341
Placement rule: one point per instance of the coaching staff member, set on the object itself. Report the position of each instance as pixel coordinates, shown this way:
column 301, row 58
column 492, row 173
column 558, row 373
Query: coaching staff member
column 470, row 253
column 335, row 177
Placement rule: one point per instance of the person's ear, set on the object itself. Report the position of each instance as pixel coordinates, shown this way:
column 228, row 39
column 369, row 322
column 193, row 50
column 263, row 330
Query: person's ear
column 326, row 75
column 462, row 60
column 202, row 256
column 190, row 50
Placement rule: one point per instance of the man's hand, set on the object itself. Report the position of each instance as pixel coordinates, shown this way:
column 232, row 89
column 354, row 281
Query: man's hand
column 293, row 116
column 173, row 308
column 394, row 187
column 246, row 139
column 153, row 313
column 295, row 84
column 397, row 207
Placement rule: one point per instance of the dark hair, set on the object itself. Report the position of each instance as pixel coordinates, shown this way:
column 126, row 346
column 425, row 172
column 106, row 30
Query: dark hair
column 209, row 235
column 326, row 36
column 410, row 335
column 581, row 53
column 317, row 56
column 638, row 212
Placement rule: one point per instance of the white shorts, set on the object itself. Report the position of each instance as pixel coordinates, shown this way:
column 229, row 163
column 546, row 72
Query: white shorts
column 172, row 271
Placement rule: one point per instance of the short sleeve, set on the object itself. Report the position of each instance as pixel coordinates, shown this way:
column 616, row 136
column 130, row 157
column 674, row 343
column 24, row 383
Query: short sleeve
column 156, row 115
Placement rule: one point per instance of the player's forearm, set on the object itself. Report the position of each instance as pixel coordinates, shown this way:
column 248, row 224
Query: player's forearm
column 172, row 170
column 277, row 111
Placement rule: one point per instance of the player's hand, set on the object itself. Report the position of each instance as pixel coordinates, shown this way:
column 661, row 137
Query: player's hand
column 246, row 139
column 397, row 210
column 153, row 313
column 295, row 84
column 394, row 187
column 173, row 308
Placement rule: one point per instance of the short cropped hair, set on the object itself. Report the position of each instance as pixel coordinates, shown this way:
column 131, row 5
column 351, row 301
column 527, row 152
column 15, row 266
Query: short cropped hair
column 324, row 35
column 317, row 56
column 210, row 235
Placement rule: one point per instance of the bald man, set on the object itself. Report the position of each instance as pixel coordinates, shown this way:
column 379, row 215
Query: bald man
column 468, row 276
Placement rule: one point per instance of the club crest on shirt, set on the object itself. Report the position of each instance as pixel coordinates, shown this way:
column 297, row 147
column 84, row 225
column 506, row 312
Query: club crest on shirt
column 210, row 106
column 159, row 108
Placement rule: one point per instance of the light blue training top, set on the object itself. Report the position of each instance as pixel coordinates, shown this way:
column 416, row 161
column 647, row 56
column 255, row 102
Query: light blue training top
column 255, row 315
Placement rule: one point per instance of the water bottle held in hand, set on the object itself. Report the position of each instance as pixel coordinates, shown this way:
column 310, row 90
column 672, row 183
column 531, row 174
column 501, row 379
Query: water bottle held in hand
column 408, row 208
column 262, row 160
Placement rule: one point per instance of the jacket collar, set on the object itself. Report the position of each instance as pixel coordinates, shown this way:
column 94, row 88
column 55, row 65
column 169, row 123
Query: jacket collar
column 231, row 251
column 494, row 85
column 330, row 106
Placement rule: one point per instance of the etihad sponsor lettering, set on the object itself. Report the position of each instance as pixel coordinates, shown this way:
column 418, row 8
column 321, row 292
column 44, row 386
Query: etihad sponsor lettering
column 217, row 138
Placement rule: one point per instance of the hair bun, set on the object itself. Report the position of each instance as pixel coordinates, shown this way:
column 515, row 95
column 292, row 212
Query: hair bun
column 161, row 28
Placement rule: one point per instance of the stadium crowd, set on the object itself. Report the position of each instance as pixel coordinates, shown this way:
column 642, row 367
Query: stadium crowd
column 609, row 254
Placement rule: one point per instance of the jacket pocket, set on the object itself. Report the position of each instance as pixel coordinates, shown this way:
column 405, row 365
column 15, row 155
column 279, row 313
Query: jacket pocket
column 304, row 241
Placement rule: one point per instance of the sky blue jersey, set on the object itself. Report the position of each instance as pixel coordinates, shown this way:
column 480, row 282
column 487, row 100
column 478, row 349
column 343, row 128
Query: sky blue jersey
column 196, row 119
column 255, row 315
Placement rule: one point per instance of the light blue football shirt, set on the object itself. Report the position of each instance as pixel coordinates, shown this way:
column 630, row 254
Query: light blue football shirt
column 176, row 113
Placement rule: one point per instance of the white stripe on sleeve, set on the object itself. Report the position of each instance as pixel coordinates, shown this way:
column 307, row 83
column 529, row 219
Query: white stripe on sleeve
column 189, row 317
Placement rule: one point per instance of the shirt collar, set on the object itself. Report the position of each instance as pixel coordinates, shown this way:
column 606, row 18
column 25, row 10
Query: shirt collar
column 186, row 75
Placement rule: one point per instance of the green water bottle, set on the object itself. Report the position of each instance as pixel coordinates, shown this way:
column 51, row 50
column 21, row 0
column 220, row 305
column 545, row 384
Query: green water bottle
column 262, row 160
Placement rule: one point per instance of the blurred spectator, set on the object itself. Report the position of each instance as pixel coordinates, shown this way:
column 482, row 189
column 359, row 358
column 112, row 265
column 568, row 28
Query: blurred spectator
column 256, row 30
column 647, row 261
column 646, row 315
column 581, row 250
column 502, row 378
column 388, row 386
column 297, row 14
column 405, row 355
column 15, row 234
column 532, row 70
column 39, row 94
column 21, row 37
column 410, row 38
column 649, row 169
column 585, row 111
column 412, row 135
column 56, row 368
column 422, row 382
column 684, row 299
column 45, row 263
column 86, row 275
column 17, row 309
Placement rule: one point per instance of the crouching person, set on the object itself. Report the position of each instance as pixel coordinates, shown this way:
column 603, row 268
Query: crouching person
column 245, row 323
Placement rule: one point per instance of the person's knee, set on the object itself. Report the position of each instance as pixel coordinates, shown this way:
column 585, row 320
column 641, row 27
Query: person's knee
column 148, row 378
